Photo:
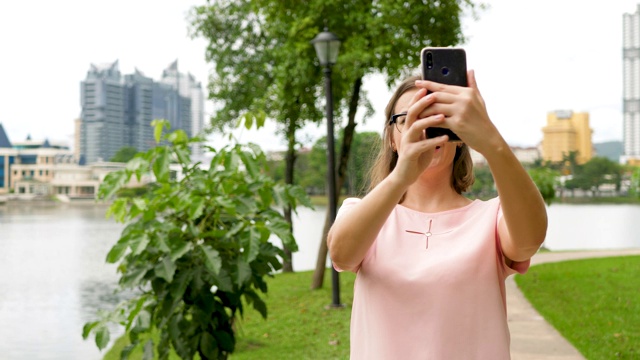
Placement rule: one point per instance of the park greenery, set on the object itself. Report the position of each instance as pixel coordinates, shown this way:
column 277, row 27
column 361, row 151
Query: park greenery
column 196, row 248
column 300, row 324
column 593, row 303
column 264, row 62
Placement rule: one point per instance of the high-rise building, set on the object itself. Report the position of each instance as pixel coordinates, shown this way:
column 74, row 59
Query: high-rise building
column 567, row 132
column 103, row 129
column 190, row 88
column 117, row 110
column 631, row 86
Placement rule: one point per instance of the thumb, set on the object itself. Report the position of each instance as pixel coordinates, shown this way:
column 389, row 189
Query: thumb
column 471, row 80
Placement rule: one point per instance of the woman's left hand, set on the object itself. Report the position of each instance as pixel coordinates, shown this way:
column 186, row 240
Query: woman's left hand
column 464, row 111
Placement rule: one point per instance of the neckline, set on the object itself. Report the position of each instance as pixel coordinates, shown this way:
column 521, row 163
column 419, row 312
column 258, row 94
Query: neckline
column 469, row 205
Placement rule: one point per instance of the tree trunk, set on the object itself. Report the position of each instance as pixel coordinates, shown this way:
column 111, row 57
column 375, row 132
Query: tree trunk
column 290, row 159
column 318, row 273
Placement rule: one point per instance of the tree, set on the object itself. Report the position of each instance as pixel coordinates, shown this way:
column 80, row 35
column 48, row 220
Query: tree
column 546, row 181
column 125, row 154
column 484, row 185
column 596, row 172
column 264, row 60
column 196, row 247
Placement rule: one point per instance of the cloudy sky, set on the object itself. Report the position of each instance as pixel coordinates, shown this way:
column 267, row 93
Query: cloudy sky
column 530, row 58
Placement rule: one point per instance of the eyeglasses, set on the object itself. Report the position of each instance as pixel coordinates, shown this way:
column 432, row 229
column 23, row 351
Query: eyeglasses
column 399, row 120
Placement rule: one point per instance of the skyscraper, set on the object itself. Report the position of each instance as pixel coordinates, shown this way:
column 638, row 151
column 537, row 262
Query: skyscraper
column 117, row 111
column 631, row 86
column 103, row 129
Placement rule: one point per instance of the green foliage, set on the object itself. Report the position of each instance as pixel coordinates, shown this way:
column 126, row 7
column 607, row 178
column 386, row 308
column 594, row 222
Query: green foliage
column 311, row 166
column 634, row 186
column 483, row 187
column 593, row 303
column 196, row 247
column 305, row 328
column 125, row 154
column 263, row 59
column 594, row 173
column 546, row 181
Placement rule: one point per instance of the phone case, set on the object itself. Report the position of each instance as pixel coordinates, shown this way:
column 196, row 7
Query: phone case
column 444, row 65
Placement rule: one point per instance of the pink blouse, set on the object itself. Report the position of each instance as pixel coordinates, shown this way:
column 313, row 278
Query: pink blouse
column 432, row 287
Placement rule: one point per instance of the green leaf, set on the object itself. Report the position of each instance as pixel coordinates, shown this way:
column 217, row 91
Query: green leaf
column 111, row 183
column 249, row 163
column 86, row 329
column 139, row 244
column 158, row 127
column 117, row 251
column 195, row 210
column 165, row 269
column 212, row 259
column 252, row 247
column 136, row 164
column 257, row 303
column 134, row 312
column 178, row 252
column 261, row 117
column 225, row 340
column 148, row 350
column 139, row 203
column 180, row 283
column 248, row 121
column 244, row 272
column 126, row 351
column 224, row 281
column 282, row 229
column 161, row 164
column 178, row 137
column 118, row 209
column 133, row 278
column 102, row 337
column 301, row 196
column 143, row 321
column 208, row 345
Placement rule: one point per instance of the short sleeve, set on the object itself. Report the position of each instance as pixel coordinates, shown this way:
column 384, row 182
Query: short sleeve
column 346, row 206
column 519, row 267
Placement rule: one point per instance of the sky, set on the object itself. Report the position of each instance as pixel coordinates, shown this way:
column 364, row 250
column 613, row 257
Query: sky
column 530, row 58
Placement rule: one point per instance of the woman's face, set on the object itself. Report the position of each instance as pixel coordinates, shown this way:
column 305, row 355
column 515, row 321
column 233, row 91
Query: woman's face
column 443, row 155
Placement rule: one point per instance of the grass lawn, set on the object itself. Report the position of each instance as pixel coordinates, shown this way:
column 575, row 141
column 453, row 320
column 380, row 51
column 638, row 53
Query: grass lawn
column 299, row 326
column 593, row 303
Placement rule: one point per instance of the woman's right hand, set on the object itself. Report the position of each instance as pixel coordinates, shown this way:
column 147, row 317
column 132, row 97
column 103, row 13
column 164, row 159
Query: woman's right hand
column 415, row 151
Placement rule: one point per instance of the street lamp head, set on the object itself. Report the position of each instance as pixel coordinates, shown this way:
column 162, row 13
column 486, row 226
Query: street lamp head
column 327, row 45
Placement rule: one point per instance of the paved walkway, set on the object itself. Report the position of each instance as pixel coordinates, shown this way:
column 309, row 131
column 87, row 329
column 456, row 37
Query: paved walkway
column 532, row 338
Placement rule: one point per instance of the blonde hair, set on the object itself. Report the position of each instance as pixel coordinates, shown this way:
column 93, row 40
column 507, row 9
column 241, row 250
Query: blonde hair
column 462, row 170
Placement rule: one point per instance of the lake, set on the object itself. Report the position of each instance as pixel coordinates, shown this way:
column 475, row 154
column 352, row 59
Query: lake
column 53, row 276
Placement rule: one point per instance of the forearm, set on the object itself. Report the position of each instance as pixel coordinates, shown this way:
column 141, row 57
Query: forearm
column 353, row 233
column 525, row 214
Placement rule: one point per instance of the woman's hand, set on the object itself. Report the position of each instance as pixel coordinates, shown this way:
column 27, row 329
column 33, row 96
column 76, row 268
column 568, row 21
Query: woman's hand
column 464, row 113
column 415, row 151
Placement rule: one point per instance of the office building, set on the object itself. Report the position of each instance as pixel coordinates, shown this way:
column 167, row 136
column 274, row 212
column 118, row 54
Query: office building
column 117, row 110
column 567, row 132
column 631, row 86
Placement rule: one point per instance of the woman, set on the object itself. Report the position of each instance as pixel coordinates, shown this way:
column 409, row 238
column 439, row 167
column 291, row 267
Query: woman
column 431, row 263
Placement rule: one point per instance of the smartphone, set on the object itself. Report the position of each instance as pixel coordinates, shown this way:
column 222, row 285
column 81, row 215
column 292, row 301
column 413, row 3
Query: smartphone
column 445, row 65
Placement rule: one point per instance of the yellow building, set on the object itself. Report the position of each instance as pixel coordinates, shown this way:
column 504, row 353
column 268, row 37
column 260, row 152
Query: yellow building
column 565, row 132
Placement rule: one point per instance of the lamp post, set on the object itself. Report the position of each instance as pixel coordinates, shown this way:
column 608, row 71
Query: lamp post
column 327, row 46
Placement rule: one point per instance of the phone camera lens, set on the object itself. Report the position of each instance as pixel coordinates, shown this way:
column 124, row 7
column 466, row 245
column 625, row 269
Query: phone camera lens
column 429, row 60
column 445, row 71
